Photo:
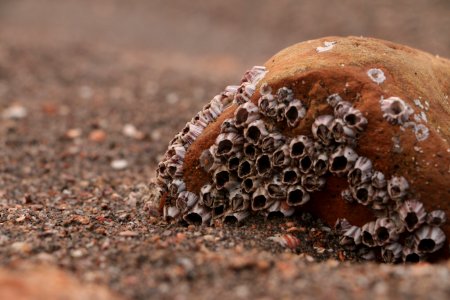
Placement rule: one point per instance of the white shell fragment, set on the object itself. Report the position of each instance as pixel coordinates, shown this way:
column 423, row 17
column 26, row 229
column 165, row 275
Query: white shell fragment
column 326, row 47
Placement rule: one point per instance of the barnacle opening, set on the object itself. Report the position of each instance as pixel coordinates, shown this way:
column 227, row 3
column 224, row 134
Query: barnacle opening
column 193, row 218
column 426, row 245
column 263, row 164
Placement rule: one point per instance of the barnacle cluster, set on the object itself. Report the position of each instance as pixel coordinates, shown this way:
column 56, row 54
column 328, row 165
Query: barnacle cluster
column 257, row 165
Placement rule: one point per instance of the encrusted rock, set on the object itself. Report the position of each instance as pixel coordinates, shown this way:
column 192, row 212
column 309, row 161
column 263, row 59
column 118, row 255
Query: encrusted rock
column 314, row 125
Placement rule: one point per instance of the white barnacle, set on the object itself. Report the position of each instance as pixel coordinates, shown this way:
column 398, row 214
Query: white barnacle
column 228, row 143
column 192, row 132
column 228, row 126
column 378, row 180
column 268, row 105
column 272, row 142
column 385, row 231
column 333, row 100
column 422, row 132
column 368, row 234
column 186, row 200
column 294, row 112
column 321, row 129
column 342, row 160
column 395, row 110
column 254, row 75
column 265, row 89
column 354, row 119
column 263, row 164
column 290, row 175
column 251, row 151
column 392, row 253
column 411, row 255
column 342, row 225
column 306, row 163
column 320, row 164
column 281, row 157
column 285, row 95
column 341, row 132
column 198, row 215
column 397, row 187
column 376, row 75
column 418, row 103
column 412, row 214
column 380, row 199
column 239, row 201
column 362, row 171
column 326, row 47
column 275, row 188
column 245, row 114
column 234, row 160
column 341, row 108
column 260, row 199
column 246, row 168
column 221, row 177
column 436, row 217
column 429, row 239
column 351, row 237
column 236, row 217
column 256, row 131
column 347, row 196
column 312, row 182
column 300, row 146
column 250, row 184
column 363, row 193
column 170, row 212
column 176, row 186
column 297, row 195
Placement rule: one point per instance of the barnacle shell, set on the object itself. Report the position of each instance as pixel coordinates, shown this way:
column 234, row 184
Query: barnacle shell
column 356, row 99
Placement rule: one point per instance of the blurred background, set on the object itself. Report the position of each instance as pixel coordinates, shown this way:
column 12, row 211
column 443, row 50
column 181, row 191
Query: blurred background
column 117, row 79
column 246, row 31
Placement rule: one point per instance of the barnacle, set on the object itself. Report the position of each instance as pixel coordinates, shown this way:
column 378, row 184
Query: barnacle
column 412, row 213
column 395, row 110
column 296, row 135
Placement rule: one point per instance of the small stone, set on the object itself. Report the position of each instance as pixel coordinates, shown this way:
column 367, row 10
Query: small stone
column 77, row 253
column 129, row 233
column 97, row 135
column 20, row 219
column 15, row 112
column 73, row 133
column 21, row 247
column 130, row 130
column 83, row 220
column 119, row 164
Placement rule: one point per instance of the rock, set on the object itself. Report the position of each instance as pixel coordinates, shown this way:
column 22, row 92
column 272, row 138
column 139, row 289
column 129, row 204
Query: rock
column 46, row 282
column 344, row 100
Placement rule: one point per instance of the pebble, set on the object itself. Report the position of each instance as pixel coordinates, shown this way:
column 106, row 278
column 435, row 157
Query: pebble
column 130, row 130
column 21, row 247
column 97, row 135
column 73, row 133
column 119, row 164
column 129, row 233
column 77, row 253
column 15, row 112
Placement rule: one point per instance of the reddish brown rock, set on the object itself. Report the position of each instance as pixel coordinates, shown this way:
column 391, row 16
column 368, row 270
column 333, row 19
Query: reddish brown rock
column 401, row 92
